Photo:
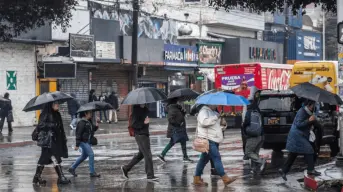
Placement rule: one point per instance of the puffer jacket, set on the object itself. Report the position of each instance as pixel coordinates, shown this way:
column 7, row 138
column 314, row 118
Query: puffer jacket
column 84, row 131
column 209, row 125
column 176, row 119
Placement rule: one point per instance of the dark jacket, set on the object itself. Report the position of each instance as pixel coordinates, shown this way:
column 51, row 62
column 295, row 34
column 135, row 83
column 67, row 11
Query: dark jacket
column 6, row 109
column 298, row 137
column 73, row 105
column 53, row 122
column 138, row 116
column 84, row 131
column 247, row 118
column 92, row 98
column 113, row 100
column 176, row 119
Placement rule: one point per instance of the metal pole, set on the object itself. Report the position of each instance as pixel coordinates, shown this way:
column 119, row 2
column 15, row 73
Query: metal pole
column 285, row 42
column 135, row 6
column 324, row 36
column 340, row 52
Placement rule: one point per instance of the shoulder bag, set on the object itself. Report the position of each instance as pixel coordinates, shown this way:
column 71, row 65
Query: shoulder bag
column 200, row 144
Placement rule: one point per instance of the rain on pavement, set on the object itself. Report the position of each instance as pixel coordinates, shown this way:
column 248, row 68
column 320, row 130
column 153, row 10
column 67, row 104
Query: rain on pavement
column 18, row 166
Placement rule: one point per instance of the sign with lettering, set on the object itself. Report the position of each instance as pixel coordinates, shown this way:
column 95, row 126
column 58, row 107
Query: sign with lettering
column 262, row 53
column 179, row 55
column 209, row 54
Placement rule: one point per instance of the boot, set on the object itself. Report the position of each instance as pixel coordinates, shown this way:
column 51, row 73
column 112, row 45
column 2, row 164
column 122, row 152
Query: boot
column 37, row 178
column 227, row 180
column 199, row 182
column 61, row 178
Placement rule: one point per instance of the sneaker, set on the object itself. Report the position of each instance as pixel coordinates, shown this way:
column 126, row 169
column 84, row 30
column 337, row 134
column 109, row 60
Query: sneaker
column 94, row 174
column 72, row 172
column 187, row 160
column 282, row 174
column 314, row 173
column 101, row 121
column 153, row 179
column 124, row 172
column 71, row 126
column 263, row 166
column 160, row 157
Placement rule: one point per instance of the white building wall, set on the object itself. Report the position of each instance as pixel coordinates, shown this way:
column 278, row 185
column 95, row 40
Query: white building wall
column 20, row 58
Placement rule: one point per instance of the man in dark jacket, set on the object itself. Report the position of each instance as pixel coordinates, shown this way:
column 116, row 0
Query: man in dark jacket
column 176, row 130
column 113, row 100
column 6, row 112
column 73, row 106
column 140, row 124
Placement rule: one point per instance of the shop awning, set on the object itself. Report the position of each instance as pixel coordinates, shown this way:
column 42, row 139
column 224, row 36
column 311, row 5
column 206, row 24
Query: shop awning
column 175, row 68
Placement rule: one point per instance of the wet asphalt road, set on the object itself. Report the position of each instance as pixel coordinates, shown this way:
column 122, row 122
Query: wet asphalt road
column 18, row 166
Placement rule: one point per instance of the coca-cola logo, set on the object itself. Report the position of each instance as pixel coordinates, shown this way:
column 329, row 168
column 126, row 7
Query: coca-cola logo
column 278, row 81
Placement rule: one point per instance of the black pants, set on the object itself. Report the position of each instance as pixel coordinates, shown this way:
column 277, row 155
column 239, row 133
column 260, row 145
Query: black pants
column 309, row 158
column 244, row 139
column 9, row 124
column 171, row 144
column 143, row 143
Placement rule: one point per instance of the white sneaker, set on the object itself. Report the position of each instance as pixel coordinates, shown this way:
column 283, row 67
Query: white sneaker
column 71, row 126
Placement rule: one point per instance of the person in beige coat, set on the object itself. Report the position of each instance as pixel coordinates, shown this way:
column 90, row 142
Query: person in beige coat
column 209, row 128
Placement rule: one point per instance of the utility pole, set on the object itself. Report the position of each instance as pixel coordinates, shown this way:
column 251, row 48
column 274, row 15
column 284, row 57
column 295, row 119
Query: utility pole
column 134, row 52
column 285, row 41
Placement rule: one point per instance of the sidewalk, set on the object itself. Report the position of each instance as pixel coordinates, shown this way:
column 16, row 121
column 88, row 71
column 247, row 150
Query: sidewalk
column 22, row 135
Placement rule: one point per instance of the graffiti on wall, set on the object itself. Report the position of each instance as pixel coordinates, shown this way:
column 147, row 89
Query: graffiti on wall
column 149, row 27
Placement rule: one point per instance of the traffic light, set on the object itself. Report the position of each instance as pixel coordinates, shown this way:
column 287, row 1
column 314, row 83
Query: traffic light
column 340, row 33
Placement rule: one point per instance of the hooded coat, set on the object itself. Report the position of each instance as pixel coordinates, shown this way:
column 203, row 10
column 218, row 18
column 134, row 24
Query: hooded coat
column 176, row 120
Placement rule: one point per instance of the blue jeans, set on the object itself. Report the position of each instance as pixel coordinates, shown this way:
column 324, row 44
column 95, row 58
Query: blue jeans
column 87, row 151
column 103, row 113
column 214, row 155
column 73, row 120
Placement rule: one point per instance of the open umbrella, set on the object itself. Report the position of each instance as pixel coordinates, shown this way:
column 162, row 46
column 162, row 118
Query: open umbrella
column 314, row 93
column 222, row 98
column 144, row 95
column 39, row 101
column 184, row 94
column 95, row 106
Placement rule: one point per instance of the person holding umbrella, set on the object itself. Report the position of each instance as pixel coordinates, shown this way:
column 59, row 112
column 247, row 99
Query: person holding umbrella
column 85, row 135
column 140, row 124
column 53, row 141
column 176, row 129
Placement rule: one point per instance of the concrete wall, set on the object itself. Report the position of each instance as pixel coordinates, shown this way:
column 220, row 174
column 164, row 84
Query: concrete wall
column 19, row 58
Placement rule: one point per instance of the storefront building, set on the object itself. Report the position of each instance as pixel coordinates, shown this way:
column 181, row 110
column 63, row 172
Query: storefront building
column 241, row 50
column 302, row 45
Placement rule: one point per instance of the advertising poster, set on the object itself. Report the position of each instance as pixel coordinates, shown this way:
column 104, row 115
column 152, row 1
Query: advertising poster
column 323, row 76
column 240, row 84
column 276, row 79
column 209, row 54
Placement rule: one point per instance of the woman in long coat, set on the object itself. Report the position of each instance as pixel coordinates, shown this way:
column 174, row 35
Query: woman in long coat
column 176, row 124
column 298, row 140
column 50, row 121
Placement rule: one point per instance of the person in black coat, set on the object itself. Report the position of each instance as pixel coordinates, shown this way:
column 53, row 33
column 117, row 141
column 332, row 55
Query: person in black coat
column 84, row 132
column 113, row 100
column 177, row 126
column 6, row 112
column 73, row 106
column 50, row 121
column 140, row 124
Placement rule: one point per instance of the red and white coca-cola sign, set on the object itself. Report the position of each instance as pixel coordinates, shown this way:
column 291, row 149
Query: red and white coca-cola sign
column 278, row 79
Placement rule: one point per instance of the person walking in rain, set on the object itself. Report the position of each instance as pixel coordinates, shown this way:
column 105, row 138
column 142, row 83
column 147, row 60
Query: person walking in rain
column 209, row 128
column 6, row 112
column 73, row 106
column 51, row 133
column 298, row 141
column 140, row 124
column 103, row 98
column 253, row 142
column 84, row 132
column 113, row 100
column 176, row 129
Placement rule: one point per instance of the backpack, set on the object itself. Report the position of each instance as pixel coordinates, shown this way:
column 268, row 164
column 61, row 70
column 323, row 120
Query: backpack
column 255, row 127
column 130, row 128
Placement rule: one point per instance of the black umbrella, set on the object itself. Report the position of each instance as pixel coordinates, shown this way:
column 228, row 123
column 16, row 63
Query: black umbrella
column 144, row 95
column 95, row 106
column 314, row 93
column 184, row 94
column 39, row 101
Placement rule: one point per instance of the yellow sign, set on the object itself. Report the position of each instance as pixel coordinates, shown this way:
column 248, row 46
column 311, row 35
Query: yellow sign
column 321, row 74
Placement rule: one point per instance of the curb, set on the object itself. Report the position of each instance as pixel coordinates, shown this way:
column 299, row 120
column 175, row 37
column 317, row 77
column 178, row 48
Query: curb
column 101, row 136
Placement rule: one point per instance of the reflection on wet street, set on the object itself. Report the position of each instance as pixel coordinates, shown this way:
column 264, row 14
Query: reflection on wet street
column 18, row 167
